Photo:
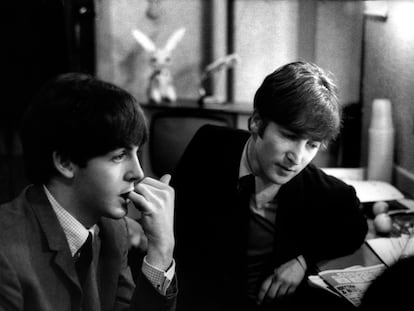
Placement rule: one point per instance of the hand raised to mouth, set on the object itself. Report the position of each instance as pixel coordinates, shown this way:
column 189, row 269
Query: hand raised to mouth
column 155, row 199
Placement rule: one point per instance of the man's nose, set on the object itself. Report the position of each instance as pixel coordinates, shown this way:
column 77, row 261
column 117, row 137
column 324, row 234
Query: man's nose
column 296, row 152
column 135, row 172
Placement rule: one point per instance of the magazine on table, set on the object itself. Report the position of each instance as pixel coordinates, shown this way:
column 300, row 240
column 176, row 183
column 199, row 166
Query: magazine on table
column 351, row 282
column 350, row 276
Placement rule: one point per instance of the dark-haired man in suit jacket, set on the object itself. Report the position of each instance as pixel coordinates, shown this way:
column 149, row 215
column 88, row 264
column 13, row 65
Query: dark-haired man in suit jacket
column 253, row 215
column 64, row 239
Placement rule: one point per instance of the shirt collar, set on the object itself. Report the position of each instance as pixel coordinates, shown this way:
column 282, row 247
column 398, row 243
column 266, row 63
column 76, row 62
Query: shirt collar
column 76, row 234
column 244, row 165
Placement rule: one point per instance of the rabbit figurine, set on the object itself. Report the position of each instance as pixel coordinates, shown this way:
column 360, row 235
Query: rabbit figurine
column 160, row 88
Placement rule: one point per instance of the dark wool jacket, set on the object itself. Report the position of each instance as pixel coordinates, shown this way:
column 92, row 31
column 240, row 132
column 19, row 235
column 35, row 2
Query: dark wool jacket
column 317, row 216
column 37, row 272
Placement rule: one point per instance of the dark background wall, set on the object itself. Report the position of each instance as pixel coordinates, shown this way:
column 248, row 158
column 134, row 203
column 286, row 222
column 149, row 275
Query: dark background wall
column 39, row 41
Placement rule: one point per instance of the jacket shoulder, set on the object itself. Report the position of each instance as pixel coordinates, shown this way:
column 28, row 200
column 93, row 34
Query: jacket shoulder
column 324, row 182
column 13, row 214
column 217, row 133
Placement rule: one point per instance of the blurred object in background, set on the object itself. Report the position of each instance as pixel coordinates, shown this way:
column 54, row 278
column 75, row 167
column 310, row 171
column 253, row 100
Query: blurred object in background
column 218, row 65
column 160, row 86
column 170, row 133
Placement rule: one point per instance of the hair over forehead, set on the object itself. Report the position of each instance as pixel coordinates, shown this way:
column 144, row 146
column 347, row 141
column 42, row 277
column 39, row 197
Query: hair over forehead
column 301, row 97
column 81, row 117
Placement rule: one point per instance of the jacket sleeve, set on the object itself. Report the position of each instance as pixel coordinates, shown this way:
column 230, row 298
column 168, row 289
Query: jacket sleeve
column 340, row 227
column 320, row 217
column 146, row 298
column 11, row 297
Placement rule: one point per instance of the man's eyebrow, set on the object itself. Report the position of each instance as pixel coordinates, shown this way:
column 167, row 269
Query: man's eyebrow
column 289, row 132
column 130, row 148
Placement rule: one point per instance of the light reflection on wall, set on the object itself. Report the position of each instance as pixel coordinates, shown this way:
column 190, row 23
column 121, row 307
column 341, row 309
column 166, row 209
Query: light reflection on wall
column 388, row 72
column 402, row 22
column 376, row 8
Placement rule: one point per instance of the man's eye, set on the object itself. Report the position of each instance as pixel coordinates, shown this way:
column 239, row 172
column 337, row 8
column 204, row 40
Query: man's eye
column 314, row 144
column 119, row 157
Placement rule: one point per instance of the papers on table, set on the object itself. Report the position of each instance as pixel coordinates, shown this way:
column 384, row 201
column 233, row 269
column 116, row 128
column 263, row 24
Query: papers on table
column 367, row 190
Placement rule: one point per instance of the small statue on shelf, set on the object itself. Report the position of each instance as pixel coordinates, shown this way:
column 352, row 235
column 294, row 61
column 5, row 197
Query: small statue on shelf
column 225, row 62
column 160, row 87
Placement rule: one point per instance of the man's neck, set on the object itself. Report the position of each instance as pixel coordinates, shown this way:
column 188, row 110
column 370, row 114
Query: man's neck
column 262, row 183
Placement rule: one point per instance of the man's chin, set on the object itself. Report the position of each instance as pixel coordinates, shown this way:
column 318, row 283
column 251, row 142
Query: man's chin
column 281, row 180
column 120, row 212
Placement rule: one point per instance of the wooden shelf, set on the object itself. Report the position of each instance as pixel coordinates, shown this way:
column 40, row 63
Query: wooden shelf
column 233, row 108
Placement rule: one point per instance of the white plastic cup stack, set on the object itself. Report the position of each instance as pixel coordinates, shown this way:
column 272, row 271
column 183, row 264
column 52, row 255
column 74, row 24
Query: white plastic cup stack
column 381, row 141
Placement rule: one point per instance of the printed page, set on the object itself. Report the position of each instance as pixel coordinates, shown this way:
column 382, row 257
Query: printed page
column 352, row 282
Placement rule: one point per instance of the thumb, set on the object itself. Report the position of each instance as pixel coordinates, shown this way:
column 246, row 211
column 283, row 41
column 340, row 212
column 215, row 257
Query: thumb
column 165, row 179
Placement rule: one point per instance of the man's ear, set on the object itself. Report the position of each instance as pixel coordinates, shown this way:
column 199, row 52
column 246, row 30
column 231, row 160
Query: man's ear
column 255, row 123
column 63, row 165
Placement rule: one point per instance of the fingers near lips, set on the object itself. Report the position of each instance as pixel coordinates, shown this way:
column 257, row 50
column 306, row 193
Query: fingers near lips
column 150, row 190
column 139, row 200
column 155, row 187
column 166, row 179
column 157, row 184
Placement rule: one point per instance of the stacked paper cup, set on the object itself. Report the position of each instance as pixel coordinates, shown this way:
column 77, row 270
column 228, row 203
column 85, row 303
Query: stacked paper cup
column 381, row 141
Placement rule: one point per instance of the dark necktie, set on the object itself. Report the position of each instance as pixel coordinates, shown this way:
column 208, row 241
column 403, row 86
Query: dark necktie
column 83, row 263
column 85, row 267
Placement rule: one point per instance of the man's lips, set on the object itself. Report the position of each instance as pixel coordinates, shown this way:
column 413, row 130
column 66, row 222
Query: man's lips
column 125, row 196
column 287, row 169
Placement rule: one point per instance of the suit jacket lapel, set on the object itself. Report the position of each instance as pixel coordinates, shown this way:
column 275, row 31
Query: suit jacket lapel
column 290, row 200
column 54, row 234
column 110, row 255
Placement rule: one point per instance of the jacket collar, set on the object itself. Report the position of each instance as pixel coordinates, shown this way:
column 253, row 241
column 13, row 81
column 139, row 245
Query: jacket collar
column 111, row 251
column 53, row 231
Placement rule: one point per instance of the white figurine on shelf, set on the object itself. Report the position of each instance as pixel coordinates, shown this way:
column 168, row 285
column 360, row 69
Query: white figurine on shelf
column 160, row 87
